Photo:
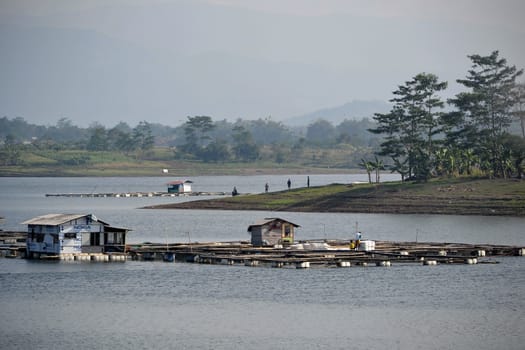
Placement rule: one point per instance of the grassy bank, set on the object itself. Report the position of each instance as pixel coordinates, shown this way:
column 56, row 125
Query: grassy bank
column 461, row 196
column 85, row 163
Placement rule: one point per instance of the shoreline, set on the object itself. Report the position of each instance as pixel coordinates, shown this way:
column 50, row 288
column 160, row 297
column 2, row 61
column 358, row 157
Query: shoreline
column 441, row 197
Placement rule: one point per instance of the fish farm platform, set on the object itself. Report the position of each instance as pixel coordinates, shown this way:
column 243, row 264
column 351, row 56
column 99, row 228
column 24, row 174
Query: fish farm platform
column 302, row 254
column 325, row 253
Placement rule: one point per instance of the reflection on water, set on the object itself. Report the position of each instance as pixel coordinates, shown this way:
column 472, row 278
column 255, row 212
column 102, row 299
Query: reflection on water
column 152, row 304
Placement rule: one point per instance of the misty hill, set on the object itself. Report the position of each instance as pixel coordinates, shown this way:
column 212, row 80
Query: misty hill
column 354, row 110
column 161, row 61
column 50, row 73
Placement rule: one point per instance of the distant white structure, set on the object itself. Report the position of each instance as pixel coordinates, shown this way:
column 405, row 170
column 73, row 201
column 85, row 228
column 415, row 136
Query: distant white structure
column 165, row 171
column 179, row 186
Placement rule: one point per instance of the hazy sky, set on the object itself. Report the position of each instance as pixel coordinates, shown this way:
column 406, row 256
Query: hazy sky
column 163, row 60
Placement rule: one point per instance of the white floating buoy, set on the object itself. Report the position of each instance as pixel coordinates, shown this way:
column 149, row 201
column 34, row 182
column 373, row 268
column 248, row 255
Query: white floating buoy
column 277, row 264
column 481, row 253
column 430, row 262
column 344, row 264
column 442, row 253
column 404, row 253
column 251, row 263
column 385, row 263
column 303, row 265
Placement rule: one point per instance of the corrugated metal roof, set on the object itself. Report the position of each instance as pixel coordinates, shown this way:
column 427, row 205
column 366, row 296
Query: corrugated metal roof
column 268, row 220
column 53, row 219
column 180, row 182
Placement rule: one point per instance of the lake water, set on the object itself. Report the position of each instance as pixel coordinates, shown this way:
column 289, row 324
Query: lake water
column 143, row 305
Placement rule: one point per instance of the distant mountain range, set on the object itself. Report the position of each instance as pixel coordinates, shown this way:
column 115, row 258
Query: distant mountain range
column 354, row 110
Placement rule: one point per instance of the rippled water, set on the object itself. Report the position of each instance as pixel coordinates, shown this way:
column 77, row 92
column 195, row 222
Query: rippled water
column 153, row 305
column 144, row 305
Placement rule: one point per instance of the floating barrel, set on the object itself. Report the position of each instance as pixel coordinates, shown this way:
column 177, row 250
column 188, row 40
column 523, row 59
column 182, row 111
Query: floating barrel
column 344, row 264
column 430, row 262
column 168, row 257
column 117, row 257
column 303, row 265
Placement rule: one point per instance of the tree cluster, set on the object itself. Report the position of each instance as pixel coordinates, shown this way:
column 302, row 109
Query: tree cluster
column 248, row 141
column 422, row 140
column 121, row 138
column 201, row 138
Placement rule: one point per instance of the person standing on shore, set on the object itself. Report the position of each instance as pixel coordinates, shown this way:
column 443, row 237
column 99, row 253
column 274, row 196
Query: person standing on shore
column 289, row 182
column 266, row 187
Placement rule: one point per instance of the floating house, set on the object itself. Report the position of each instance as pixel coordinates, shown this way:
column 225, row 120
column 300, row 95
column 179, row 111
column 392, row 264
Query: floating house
column 56, row 234
column 272, row 231
column 179, row 186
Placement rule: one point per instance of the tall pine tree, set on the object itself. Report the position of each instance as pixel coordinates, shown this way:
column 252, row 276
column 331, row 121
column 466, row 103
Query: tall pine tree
column 410, row 127
column 485, row 112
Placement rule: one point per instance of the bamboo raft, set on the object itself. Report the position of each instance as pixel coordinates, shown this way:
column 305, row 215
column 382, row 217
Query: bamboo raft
column 334, row 253
column 337, row 254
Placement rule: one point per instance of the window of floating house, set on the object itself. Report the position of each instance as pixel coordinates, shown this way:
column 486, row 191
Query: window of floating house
column 94, row 238
column 40, row 237
column 70, row 235
column 115, row 238
column 118, row 238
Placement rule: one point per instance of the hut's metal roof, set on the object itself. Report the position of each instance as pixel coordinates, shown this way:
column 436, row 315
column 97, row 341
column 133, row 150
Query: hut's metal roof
column 53, row 219
column 180, row 182
column 58, row 219
column 266, row 221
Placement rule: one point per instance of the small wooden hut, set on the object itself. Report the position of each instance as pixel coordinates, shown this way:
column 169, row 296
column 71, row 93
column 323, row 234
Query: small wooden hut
column 272, row 231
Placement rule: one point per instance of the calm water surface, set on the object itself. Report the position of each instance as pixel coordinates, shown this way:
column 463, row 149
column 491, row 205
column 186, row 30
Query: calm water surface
column 144, row 305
